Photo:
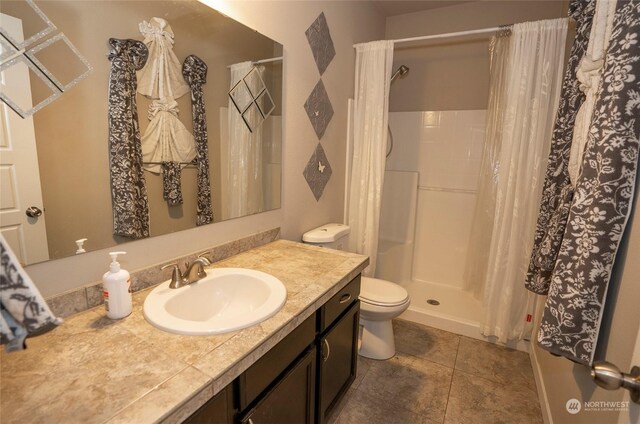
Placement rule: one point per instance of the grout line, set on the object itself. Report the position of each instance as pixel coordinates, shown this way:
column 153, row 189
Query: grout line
column 455, row 361
column 422, row 358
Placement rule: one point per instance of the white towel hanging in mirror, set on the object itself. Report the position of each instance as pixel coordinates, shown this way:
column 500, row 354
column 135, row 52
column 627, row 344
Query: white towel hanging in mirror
column 166, row 138
column 162, row 75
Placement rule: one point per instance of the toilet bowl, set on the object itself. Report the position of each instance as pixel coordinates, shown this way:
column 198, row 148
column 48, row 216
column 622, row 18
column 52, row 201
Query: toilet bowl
column 380, row 300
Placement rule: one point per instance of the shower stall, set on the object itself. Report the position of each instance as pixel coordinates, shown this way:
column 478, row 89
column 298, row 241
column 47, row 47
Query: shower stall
column 428, row 200
column 461, row 190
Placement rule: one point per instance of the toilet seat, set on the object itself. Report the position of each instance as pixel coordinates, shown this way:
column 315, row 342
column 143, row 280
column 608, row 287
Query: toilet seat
column 382, row 293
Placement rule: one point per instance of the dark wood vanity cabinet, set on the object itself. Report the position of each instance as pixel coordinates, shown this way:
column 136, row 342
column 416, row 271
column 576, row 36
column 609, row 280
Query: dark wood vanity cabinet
column 338, row 325
column 292, row 399
column 218, row 410
column 302, row 378
column 337, row 361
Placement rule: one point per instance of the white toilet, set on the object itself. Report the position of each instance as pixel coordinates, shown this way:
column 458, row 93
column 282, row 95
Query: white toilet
column 380, row 300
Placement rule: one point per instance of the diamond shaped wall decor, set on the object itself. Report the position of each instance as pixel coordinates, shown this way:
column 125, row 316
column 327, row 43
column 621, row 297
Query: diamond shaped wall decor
column 321, row 43
column 317, row 172
column 319, row 109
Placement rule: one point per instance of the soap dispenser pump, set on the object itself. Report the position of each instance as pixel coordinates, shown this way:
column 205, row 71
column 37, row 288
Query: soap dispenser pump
column 117, row 289
column 80, row 244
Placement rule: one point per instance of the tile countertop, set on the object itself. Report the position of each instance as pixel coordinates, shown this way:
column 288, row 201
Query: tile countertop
column 93, row 369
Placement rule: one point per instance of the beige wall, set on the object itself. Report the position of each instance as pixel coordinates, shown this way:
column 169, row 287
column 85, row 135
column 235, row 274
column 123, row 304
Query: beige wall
column 285, row 22
column 453, row 74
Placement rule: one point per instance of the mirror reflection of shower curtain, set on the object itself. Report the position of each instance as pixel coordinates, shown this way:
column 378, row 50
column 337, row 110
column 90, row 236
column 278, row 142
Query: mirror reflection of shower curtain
column 242, row 182
column 512, row 175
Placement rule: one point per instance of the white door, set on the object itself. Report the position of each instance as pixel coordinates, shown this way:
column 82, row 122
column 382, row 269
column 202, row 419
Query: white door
column 19, row 174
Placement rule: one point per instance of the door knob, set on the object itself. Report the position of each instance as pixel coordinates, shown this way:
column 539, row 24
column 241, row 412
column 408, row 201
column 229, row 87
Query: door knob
column 608, row 376
column 33, row 212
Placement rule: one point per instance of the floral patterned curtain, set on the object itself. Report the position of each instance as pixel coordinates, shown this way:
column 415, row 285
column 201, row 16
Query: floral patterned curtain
column 194, row 71
column 128, row 188
column 602, row 201
column 23, row 311
column 171, row 190
column 557, row 191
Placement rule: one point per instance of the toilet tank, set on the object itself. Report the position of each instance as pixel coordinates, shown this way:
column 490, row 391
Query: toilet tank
column 332, row 236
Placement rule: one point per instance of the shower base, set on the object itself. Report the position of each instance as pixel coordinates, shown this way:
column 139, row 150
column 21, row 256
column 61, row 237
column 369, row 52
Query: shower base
column 457, row 312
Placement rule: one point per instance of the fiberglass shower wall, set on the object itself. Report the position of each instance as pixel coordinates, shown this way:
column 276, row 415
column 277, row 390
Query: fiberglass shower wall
column 445, row 148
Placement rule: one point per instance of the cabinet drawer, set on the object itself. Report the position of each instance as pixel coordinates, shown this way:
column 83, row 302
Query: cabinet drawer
column 292, row 399
column 266, row 370
column 339, row 303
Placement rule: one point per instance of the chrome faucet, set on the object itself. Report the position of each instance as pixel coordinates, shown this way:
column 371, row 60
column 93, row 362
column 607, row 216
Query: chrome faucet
column 195, row 272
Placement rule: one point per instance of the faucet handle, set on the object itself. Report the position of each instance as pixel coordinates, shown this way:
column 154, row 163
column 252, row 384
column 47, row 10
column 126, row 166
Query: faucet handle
column 177, row 279
column 174, row 264
column 204, row 256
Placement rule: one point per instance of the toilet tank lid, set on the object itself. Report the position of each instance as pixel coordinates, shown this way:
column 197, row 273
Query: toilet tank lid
column 326, row 234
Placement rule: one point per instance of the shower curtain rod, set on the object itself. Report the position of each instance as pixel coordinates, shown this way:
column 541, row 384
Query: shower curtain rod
column 259, row 62
column 447, row 35
column 273, row 59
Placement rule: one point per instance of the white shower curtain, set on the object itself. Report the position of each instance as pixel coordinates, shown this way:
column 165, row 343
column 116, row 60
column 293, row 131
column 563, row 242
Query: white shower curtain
column 530, row 94
column 482, row 229
column 371, row 115
column 242, row 182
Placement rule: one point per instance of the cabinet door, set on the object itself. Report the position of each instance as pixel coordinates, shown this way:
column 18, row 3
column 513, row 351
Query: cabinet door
column 292, row 399
column 218, row 410
column 254, row 381
column 338, row 360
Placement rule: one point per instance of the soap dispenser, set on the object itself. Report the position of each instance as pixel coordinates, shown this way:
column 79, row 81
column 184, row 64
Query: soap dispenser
column 80, row 244
column 117, row 289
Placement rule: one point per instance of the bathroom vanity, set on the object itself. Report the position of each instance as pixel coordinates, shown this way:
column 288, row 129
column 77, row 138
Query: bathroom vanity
column 292, row 367
column 303, row 377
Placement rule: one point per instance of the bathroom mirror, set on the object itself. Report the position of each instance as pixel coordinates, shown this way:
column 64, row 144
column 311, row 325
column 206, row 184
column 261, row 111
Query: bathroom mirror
column 69, row 193
column 29, row 39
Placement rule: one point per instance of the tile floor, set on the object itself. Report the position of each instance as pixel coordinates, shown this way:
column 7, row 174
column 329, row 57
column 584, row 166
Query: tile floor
column 440, row 377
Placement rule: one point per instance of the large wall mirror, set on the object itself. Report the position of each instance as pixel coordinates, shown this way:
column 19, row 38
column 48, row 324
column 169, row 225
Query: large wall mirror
column 66, row 174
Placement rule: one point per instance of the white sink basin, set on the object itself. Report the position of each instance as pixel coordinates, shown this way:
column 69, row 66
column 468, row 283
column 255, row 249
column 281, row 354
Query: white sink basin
column 227, row 299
